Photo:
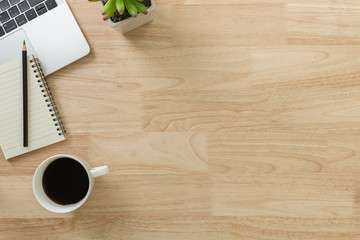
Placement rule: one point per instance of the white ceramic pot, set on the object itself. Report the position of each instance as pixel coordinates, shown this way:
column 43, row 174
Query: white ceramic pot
column 131, row 22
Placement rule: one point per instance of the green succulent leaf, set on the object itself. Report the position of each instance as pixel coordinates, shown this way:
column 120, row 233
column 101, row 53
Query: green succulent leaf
column 140, row 7
column 109, row 8
column 120, row 6
column 131, row 7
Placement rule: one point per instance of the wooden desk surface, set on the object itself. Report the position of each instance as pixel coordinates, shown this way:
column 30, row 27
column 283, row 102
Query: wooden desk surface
column 238, row 120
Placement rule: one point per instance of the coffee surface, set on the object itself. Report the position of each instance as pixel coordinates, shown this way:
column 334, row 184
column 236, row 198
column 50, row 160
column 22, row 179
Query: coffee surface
column 65, row 181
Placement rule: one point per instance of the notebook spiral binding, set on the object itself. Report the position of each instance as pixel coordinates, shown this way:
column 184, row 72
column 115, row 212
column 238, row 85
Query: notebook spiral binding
column 35, row 64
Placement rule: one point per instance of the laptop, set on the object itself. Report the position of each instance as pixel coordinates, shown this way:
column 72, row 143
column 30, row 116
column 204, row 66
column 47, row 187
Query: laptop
column 48, row 28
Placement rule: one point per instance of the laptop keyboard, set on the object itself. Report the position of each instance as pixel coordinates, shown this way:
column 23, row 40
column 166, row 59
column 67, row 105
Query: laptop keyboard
column 15, row 13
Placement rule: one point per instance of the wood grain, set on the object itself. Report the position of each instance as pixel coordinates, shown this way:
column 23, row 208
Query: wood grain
column 218, row 120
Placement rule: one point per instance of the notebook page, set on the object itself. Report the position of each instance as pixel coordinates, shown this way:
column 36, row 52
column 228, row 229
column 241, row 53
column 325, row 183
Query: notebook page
column 42, row 130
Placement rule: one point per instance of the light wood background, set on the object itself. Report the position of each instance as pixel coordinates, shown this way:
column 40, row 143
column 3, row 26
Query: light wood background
column 219, row 120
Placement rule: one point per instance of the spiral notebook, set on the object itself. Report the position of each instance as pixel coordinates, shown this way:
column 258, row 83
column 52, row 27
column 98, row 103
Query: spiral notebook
column 44, row 124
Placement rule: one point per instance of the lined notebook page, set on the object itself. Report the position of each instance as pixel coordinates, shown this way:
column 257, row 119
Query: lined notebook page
column 42, row 126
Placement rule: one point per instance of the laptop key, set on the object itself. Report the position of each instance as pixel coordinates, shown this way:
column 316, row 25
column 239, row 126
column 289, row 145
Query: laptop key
column 40, row 9
column 34, row 2
column 20, row 20
column 23, row 6
column 2, row 32
column 4, row 4
column 4, row 17
column 13, row 2
column 30, row 15
column 51, row 4
column 10, row 25
column 14, row 11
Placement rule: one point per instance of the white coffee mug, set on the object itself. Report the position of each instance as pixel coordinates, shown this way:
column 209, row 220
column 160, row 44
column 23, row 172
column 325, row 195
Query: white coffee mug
column 52, row 206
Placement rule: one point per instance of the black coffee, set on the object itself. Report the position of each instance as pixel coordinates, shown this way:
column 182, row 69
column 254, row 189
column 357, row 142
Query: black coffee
column 65, row 181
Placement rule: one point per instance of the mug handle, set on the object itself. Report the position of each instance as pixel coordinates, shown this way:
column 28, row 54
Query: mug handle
column 99, row 171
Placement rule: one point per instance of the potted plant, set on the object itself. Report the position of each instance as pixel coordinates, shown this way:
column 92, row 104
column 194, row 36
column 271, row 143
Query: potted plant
column 126, row 15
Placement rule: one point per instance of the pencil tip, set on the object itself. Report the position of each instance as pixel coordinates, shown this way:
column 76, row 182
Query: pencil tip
column 24, row 46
